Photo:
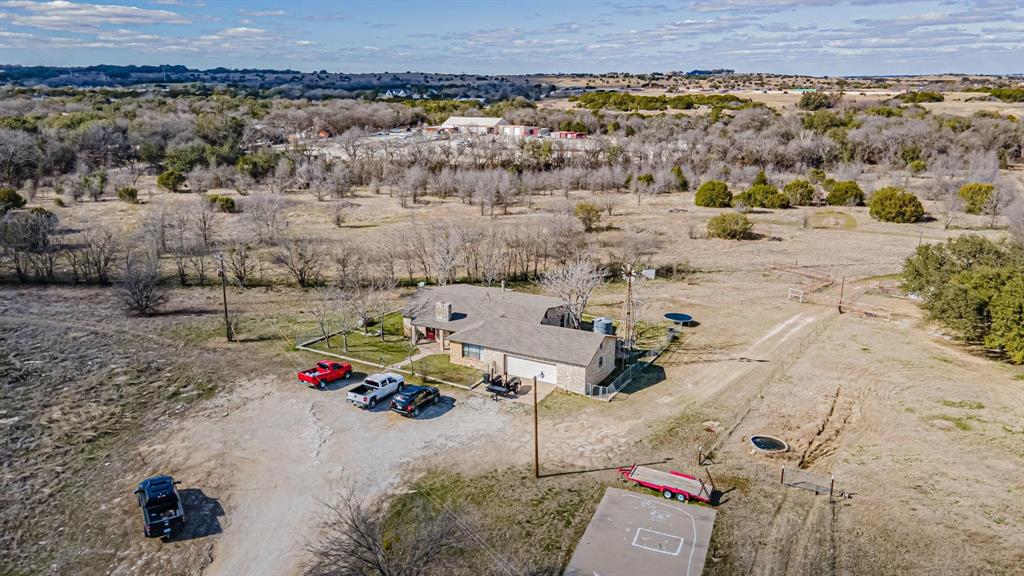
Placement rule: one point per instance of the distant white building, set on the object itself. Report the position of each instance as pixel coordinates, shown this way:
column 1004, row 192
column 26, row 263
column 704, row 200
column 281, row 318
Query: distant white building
column 473, row 125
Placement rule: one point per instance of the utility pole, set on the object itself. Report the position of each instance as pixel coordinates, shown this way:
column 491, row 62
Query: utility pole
column 536, row 431
column 224, row 295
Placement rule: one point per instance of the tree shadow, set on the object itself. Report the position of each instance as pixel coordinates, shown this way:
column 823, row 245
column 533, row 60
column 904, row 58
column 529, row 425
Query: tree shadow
column 718, row 496
column 650, row 376
column 604, row 469
column 184, row 312
column 202, row 515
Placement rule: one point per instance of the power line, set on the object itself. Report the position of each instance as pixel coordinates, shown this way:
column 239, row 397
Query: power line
column 494, row 553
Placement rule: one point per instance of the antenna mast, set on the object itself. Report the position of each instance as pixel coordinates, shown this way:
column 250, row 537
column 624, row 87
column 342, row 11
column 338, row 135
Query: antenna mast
column 628, row 321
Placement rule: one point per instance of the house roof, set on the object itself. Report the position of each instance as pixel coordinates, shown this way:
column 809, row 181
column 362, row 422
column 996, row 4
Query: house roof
column 540, row 341
column 472, row 304
column 503, row 320
column 465, row 121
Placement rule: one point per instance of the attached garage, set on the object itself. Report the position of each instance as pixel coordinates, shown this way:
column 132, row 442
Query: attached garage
column 527, row 369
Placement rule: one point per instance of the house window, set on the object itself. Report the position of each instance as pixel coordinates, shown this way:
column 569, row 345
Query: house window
column 600, row 361
column 472, row 351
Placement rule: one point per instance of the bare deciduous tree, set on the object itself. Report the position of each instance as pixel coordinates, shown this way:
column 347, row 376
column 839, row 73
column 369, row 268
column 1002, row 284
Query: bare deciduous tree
column 359, row 540
column 242, row 262
column 303, row 259
column 205, row 217
column 322, row 305
column 99, row 249
column 445, row 248
column 573, row 284
column 370, row 300
column 153, row 225
column 1014, row 215
column 263, row 212
column 140, row 281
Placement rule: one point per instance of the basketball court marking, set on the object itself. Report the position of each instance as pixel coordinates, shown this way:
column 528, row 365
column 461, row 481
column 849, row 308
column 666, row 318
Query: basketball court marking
column 666, row 538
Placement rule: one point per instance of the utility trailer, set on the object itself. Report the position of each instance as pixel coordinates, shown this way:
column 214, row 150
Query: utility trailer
column 672, row 484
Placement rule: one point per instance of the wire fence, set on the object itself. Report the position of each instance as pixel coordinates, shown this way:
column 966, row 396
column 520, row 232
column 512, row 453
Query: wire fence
column 640, row 363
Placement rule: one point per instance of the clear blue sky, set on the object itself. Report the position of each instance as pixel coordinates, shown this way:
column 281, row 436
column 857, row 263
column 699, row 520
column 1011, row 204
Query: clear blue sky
column 524, row 36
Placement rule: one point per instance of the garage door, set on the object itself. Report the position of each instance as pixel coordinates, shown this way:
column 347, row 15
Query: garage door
column 524, row 368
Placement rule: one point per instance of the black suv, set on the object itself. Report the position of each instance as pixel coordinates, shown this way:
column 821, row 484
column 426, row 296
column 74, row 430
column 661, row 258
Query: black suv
column 162, row 512
column 411, row 398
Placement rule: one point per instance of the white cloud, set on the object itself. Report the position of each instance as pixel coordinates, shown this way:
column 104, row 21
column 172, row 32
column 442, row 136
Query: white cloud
column 259, row 13
column 72, row 16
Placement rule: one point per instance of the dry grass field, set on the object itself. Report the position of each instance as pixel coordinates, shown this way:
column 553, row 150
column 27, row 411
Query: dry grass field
column 924, row 436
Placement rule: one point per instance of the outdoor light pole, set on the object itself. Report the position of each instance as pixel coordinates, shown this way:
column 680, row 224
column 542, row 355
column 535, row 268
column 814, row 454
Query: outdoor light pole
column 536, row 431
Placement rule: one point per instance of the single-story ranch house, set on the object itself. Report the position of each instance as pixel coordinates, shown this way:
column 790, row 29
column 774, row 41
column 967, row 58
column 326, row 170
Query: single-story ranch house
column 507, row 332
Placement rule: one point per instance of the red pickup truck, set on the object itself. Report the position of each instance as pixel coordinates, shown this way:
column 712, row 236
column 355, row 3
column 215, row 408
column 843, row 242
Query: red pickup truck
column 325, row 372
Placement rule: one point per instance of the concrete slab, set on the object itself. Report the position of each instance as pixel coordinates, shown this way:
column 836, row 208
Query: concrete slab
column 637, row 534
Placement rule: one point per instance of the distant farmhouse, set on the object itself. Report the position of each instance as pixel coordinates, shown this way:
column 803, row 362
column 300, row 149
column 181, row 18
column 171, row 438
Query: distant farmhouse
column 473, row 125
column 513, row 333
column 499, row 126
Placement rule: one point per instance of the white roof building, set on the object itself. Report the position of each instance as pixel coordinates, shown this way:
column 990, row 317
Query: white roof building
column 476, row 125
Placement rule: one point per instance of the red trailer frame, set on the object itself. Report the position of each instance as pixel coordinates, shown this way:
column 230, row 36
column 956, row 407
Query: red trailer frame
column 672, row 484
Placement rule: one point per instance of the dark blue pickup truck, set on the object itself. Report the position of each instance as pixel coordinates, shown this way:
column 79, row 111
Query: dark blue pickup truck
column 162, row 512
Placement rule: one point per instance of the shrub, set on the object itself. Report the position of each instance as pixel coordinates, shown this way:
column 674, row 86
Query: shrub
column 1007, row 309
column 1008, row 94
column 713, row 194
column 762, row 196
column 885, row 111
column 975, row 196
column 845, row 193
column 681, row 180
column 59, row 202
column 892, row 204
column 800, row 192
column 588, row 214
column 917, row 166
column 932, row 265
column 919, row 97
column 44, row 215
column 822, row 121
column 815, row 101
column 128, row 194
column 975, row 288
column 962, row 302
column 223, row 203
column 730, row 226
column 170, row 180
column 10, row 200
column 761, row 179
column 817, row 175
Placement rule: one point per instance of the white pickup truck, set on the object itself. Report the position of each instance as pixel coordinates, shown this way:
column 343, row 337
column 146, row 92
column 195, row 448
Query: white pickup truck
column 375, row 388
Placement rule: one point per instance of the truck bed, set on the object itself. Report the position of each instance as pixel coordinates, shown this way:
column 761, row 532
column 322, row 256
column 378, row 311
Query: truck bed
column 667, row 480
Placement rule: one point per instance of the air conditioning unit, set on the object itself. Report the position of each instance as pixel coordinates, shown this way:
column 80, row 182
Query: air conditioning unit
column 443, row 311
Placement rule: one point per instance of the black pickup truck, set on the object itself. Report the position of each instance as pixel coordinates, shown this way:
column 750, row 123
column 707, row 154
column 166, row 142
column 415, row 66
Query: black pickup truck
column 162, row 512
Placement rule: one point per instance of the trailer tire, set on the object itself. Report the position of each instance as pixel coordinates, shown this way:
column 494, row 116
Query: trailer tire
column 681, row 497
column 667, row 494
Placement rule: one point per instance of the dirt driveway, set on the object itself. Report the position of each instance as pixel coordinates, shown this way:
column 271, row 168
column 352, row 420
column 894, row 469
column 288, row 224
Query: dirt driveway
column 276, row 452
